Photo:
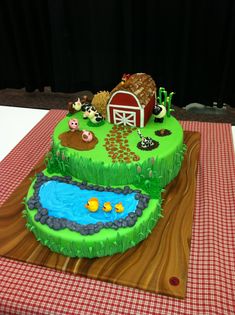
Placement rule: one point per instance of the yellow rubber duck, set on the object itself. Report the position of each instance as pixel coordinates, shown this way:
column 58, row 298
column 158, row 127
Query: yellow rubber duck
column 119, row 207
column 107, row 206
column 92, row 204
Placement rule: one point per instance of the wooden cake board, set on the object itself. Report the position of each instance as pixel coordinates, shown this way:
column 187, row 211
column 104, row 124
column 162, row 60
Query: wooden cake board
column 158, row 264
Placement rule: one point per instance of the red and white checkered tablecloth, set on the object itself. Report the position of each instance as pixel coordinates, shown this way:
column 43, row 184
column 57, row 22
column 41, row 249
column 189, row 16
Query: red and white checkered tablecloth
column 29, row 289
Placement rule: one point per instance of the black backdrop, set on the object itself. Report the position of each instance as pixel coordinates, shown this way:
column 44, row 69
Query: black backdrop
column 187, row 46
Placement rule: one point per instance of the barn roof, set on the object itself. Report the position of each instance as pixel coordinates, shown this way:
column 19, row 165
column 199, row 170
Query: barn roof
column 140, row 84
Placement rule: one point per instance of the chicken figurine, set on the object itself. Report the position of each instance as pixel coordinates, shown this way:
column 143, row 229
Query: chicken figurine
column 119, row 207
column 125, row 77
column 92, row 204
column 107, row 206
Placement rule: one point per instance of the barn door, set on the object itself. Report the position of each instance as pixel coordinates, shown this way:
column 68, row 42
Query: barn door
column 126, row 118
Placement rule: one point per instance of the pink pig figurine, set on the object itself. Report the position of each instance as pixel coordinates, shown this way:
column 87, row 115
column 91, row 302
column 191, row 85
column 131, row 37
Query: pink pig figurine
column 87, row 136
column 73, row 124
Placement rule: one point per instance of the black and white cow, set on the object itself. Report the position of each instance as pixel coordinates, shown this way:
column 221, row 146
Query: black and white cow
column 94, row 116
column 85, row 108
column 146, row 142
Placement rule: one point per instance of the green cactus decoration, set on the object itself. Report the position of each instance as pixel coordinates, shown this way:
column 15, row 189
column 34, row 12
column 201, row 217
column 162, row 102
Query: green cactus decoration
column 164, row 99
column 160, row 93
column 169, row 105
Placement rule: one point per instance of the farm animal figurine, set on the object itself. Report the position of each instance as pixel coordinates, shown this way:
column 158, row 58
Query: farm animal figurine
column 85, row 108
column 87, row 136
column 94, row 116
column 146, row 142
column 119, row 207
column 74, row 107
column 125, row 77
column 73, row 124
column 86, row 104
column 77, row 105
column 159, row 111
column 70, row 108
column 92, row 204
column 107, row 206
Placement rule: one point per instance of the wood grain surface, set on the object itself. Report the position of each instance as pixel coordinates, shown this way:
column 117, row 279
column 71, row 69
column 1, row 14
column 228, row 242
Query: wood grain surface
column 158, row 264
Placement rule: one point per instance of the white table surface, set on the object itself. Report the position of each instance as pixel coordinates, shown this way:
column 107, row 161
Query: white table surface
column 16, row 122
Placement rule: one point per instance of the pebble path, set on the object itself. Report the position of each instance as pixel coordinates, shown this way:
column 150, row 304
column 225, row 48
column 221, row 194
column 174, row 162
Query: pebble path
column 117, row 146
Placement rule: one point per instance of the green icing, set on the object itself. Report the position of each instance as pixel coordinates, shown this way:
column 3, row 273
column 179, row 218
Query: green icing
column 97, row 167
column 105, row 242
column 151, row 173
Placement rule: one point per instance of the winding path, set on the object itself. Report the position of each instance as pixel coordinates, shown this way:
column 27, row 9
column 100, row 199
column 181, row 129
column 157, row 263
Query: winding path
column 117, row 146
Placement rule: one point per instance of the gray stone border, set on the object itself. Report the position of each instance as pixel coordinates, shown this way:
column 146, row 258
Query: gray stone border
column 84, row 229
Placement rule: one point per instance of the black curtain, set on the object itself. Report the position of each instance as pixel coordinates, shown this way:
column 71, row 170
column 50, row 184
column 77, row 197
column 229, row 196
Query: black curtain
column 25, row 45
column 187, row 46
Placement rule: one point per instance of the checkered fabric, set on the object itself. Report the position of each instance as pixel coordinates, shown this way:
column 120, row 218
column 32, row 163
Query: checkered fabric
column 29, row 289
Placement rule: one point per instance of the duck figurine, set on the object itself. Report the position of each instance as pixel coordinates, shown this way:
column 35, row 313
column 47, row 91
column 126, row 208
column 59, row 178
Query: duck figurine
column 107, row 206
column 92, row 204
column 119, row 207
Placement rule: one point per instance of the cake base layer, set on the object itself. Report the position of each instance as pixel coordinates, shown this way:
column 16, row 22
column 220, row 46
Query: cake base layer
column 158, row 264
column 89, row 240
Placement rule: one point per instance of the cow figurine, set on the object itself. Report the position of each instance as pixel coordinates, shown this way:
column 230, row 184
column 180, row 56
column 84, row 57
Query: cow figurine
column 146, row 142
column 94, row 116
column 85, row 108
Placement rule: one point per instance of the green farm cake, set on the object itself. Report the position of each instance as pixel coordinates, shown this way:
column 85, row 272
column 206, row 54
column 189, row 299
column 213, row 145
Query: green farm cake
column 111, row 157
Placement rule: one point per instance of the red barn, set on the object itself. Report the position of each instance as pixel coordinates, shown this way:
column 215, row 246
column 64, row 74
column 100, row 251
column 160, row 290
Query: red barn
column 131, row 102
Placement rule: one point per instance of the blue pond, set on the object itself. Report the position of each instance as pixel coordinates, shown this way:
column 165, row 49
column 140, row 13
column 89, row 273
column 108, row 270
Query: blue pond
column 68, row 201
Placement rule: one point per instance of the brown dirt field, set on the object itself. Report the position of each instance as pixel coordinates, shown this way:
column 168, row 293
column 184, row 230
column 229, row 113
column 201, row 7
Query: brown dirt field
column 74, row 140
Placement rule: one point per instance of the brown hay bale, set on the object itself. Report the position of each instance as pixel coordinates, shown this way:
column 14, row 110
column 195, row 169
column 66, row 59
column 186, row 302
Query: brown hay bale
column 100, row 101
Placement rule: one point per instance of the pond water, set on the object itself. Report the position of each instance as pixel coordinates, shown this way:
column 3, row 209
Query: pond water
column 68, row 201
